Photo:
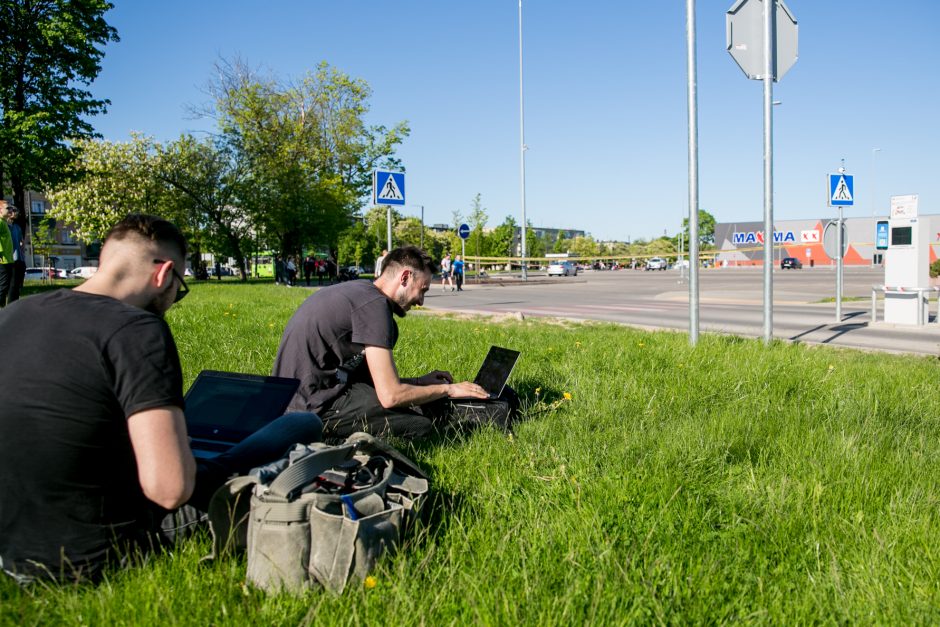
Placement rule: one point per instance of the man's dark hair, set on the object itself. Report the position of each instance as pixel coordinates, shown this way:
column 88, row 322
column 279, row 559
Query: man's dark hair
column 409, row 257
column 148, row 227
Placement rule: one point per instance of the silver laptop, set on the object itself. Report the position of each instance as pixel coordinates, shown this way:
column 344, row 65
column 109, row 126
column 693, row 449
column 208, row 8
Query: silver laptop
column 224, row 408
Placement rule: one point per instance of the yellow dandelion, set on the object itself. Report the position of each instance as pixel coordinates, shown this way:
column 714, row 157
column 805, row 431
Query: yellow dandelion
column 831, row 367
column 225, row 313
column 567, row 396
column 538, row 391
column 370, row 582
column 577, row 344
column 641, row 344
column 270, row 325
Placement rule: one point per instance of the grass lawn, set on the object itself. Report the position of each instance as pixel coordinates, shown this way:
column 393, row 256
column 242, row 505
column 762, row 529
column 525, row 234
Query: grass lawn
column 728, row 483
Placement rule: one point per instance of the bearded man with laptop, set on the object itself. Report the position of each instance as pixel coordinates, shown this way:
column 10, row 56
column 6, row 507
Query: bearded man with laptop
column 339, row 345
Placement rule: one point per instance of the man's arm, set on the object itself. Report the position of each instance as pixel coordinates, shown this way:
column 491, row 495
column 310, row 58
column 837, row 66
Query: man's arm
column 393, row 392
column 165, row 465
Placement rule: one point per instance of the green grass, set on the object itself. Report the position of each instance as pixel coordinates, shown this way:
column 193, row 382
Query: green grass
column 729, row 483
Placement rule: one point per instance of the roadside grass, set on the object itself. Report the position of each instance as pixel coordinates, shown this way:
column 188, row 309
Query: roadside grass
column 732, row 482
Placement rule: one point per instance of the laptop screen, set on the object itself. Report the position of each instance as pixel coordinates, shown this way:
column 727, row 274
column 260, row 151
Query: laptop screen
column 496, row 369
column 229, row 406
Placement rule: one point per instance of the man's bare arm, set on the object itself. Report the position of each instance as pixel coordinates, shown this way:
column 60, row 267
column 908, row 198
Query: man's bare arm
column 165, row 465
column 393, row 392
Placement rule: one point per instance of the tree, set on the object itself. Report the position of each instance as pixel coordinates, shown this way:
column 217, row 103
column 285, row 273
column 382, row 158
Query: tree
column 477, row 221
column 561, row 243
column 584, row 247
column 307, row 147
column 51, row 52
column 706, row 229
column 207, row 180
column 502, row 240
column 107, row 181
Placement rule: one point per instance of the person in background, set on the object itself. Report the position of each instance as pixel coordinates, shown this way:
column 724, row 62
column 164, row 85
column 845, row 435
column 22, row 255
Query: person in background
column 380, row 262
column 445, row 274
column 7, row 213
column 19, row 256
column 458, row 273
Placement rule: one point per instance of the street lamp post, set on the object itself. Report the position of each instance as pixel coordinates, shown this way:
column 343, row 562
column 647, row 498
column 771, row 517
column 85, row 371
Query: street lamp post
column 874, row 193
column 522, row 149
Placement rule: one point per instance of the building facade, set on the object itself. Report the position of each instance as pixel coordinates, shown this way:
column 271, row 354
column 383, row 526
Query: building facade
column 742, row 243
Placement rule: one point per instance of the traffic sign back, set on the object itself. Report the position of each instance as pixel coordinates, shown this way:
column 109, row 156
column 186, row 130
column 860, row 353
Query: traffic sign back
column 745, row 38
column 830, row 244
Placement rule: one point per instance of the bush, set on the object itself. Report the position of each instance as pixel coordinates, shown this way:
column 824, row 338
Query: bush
column 935, row 269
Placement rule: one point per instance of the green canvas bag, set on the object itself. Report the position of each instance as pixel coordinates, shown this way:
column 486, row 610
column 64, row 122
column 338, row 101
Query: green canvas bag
column 297, row 536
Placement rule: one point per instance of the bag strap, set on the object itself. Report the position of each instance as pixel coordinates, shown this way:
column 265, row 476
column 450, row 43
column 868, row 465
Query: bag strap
column 373, row 445
column 228, row 516
column 304, row 470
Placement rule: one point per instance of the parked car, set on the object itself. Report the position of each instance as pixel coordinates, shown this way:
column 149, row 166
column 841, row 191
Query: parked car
column 656, row 263
column 791, row 263
column 562, row 268
column 82, row 272
column 38, row 274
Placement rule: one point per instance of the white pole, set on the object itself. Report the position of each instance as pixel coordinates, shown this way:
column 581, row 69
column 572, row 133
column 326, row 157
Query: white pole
column 693, row 174
column 522, row 149
column 873, row 195
column 769, row 10
column 388, row 220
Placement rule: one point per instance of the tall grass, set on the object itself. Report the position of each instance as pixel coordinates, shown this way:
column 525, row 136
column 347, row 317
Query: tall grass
column 730, row 482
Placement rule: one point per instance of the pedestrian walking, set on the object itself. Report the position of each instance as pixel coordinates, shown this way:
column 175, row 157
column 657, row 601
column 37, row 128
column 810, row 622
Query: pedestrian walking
column 457, row 267
column 445, row 274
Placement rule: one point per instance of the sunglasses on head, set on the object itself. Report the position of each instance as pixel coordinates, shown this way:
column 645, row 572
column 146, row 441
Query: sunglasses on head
column 183, row 288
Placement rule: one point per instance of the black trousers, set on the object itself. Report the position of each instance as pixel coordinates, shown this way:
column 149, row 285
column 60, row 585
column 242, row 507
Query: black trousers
column 359, row 409
column 19, row 275
column 6, row 282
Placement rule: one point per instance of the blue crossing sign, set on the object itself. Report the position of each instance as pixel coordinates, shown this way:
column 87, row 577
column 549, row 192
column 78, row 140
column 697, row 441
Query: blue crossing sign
column 388, row 188
column 841, row 190
column 464, row 231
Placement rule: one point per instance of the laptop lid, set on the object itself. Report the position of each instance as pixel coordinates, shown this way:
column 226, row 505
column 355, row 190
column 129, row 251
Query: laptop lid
column 229, row 406
column 495, row 371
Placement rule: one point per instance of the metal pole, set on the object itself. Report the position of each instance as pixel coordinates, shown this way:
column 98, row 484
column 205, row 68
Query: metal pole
column 769, row 10
column 522, row 149
column 693, row 172
column 29, row 225
column 388, row 220
column 873, row 194
column 839, row 267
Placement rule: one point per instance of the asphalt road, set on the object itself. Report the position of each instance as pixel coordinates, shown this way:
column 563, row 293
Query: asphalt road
column 731, row 301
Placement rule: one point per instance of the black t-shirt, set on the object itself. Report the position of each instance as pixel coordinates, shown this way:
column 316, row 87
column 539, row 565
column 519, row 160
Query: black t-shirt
column 73, row 368
column 329, row 330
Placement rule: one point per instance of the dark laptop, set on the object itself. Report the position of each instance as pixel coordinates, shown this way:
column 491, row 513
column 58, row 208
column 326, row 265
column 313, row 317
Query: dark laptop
column 495, row 371
column 224, row 408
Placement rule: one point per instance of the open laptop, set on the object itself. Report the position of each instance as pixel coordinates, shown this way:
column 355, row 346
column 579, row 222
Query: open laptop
column 495, row 371
column 224, row 408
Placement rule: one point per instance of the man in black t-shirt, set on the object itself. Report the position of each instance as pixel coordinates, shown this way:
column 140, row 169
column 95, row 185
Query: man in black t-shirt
column 339, row 344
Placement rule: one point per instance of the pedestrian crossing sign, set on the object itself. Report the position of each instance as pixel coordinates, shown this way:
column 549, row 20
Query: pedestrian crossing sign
column 388, row 188
column 841, row 190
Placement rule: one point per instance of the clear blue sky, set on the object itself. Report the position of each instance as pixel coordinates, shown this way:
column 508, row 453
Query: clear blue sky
column 605, row 94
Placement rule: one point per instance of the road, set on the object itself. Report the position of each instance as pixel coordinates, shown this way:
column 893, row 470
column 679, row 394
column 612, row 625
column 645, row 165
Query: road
column 731, row 301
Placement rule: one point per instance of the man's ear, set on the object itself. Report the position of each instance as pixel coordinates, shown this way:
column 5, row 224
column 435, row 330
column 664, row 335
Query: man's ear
column 405, row 276
column 163, row 274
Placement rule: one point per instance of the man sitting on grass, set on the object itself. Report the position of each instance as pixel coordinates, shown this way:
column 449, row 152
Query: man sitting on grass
column 93, row 444
column 339, row 344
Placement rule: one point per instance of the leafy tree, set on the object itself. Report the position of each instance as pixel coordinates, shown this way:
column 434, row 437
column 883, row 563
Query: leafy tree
column 308, row 149
column 584, row 247
column 561, row 243
column 503, row 238
column 706, row 229
column 207, row 181
column 477, row 220
column 108, row 180
column 376, row 220
column 52, row 50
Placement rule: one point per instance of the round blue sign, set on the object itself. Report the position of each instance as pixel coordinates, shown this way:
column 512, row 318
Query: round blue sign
column 464, row 231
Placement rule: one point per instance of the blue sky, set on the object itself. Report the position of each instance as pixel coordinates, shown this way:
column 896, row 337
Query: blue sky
column 605, row 96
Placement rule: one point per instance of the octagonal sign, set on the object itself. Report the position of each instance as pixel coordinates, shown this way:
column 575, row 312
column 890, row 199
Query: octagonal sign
column 745, row 38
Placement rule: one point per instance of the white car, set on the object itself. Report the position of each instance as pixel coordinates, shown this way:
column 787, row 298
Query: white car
column 656, row 263
column 562, row 268
column 40, row 274
column 82, row 272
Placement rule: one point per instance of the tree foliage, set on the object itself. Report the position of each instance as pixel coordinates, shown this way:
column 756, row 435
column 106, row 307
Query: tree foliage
column 51, row 51
column 706, row 229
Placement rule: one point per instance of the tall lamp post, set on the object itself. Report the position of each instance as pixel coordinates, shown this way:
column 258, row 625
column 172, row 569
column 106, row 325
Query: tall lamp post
column 522, row 149
column 874, row 192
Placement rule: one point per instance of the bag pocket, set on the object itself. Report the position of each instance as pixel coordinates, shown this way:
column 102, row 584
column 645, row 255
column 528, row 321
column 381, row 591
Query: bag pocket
column 342, row 547
column 279, row 545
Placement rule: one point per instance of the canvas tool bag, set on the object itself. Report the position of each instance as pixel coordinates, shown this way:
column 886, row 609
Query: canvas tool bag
column 297, row 535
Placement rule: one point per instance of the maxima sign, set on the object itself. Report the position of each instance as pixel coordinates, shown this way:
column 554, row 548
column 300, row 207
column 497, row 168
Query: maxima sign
column 757, row 237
